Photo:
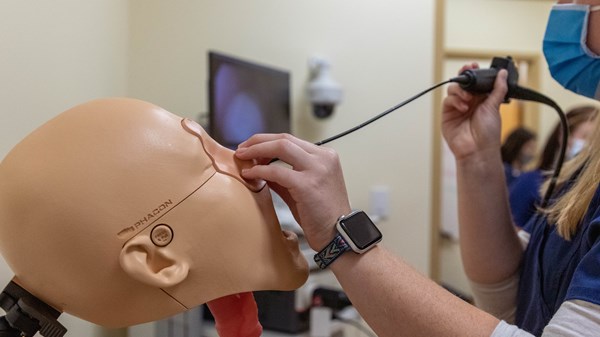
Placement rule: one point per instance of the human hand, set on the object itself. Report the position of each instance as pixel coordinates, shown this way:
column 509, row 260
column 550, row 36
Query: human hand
column 313, row 187
column 471, row 123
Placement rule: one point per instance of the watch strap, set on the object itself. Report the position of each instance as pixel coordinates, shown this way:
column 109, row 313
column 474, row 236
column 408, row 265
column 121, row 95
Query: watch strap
column 331, row 252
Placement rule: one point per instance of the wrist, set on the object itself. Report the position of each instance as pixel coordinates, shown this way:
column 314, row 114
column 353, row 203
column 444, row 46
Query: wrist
column 318, row 242
column 483, row 159
column 326, row 231
column 356, row 233
column 480, row 168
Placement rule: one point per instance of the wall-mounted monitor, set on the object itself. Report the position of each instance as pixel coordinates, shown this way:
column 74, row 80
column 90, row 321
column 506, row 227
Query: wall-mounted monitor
column 246, row 98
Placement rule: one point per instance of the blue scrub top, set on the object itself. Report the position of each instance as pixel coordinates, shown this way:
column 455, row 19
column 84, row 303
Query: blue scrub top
column 524, row 196
column 510, row 174
column 555, row 270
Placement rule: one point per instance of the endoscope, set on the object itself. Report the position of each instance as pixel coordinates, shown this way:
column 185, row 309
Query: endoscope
column 481, row 81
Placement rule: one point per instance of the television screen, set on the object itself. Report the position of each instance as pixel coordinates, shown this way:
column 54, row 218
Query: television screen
column 246, row 98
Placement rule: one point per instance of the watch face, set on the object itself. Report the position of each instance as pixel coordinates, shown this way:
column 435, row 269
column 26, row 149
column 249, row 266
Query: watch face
column 361, row 230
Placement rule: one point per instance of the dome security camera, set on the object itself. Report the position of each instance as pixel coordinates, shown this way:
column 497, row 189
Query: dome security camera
column 324, row 92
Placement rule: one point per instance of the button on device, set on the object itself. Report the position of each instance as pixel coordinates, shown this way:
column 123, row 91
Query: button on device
column 161, row 235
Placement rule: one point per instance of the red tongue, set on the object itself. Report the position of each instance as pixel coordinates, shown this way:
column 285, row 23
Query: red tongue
column 236, row 316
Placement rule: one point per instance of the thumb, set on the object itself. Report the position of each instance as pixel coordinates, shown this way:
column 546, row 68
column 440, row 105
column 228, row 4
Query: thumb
column 497, row 95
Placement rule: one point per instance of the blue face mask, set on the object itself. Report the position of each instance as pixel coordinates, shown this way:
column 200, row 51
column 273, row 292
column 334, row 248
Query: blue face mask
column 571, row 62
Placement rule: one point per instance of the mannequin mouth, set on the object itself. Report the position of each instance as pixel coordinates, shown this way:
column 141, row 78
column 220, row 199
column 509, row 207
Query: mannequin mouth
column 236, row 315
column 291, row 242
column 289, row 235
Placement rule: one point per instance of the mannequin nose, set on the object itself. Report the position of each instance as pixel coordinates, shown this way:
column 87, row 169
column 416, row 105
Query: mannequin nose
column 223, row 158
column 234, row 166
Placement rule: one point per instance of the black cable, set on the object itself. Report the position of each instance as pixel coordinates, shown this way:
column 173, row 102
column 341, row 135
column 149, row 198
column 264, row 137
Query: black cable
column 481, row 81
column 396, row 107
column 385, row 113
column 530, row 95
column 357, row 325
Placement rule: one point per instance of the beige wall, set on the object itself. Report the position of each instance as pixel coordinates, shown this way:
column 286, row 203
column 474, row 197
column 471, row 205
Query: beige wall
column 381, row 54
column 55, row 54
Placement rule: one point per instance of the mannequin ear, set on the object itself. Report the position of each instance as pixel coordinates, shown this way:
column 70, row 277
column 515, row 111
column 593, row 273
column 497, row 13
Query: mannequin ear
column 156, row 266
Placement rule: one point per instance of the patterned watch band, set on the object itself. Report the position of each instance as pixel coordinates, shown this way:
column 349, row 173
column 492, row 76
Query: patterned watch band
column 334, row 249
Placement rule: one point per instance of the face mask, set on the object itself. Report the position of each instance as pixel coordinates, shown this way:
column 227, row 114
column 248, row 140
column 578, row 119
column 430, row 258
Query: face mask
column 571, row 62
column 524, row 159
column 576, row 147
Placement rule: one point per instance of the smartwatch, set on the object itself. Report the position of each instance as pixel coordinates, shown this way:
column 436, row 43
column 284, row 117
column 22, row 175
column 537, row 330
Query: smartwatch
column 356, row 232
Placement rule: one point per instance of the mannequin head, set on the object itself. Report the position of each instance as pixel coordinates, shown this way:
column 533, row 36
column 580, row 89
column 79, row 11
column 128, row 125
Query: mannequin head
column 119, row 212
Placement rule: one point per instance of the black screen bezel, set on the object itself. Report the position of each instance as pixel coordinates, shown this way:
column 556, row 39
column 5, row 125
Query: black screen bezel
column 355, row 224
column 215, row 59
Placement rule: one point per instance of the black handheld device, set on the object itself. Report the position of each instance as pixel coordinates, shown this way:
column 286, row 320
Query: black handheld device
column 481, row 81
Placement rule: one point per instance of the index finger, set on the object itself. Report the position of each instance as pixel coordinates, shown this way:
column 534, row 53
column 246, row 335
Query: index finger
column 266, row 137
column 276, row 147
column 473, row 65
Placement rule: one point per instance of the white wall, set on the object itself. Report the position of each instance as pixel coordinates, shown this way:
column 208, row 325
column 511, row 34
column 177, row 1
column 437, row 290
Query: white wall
column 56, row 54
column 381, row 53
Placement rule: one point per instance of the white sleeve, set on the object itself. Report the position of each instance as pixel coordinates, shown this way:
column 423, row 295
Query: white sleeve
column 506, row 330
column 524, row 238
column 500, row 299
column 573, row 319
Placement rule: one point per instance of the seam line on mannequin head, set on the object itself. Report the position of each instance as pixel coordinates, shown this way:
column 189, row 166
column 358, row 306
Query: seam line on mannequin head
column 138, row 230
column 174, row 299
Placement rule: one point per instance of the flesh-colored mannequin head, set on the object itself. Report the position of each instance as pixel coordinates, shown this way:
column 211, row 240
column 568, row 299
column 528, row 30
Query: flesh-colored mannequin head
column 120, row 212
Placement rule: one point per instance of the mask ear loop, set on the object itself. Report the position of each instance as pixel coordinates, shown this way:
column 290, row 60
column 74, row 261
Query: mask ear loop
column 595, row 8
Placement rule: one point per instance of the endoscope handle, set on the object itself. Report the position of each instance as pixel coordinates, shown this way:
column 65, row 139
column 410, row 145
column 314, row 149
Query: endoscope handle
column 481, row 81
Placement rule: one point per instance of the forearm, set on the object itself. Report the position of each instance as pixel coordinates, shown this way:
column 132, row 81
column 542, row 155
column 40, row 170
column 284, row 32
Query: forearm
column 398, row 301
column 500, row 299
column 490, row 247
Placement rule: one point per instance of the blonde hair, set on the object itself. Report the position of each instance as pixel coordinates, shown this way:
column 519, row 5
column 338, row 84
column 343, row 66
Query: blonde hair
column 568, row 211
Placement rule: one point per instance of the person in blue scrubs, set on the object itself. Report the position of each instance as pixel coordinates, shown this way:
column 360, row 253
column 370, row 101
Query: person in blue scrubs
column 524, row 192
column 551, row 287
column 517, row 151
